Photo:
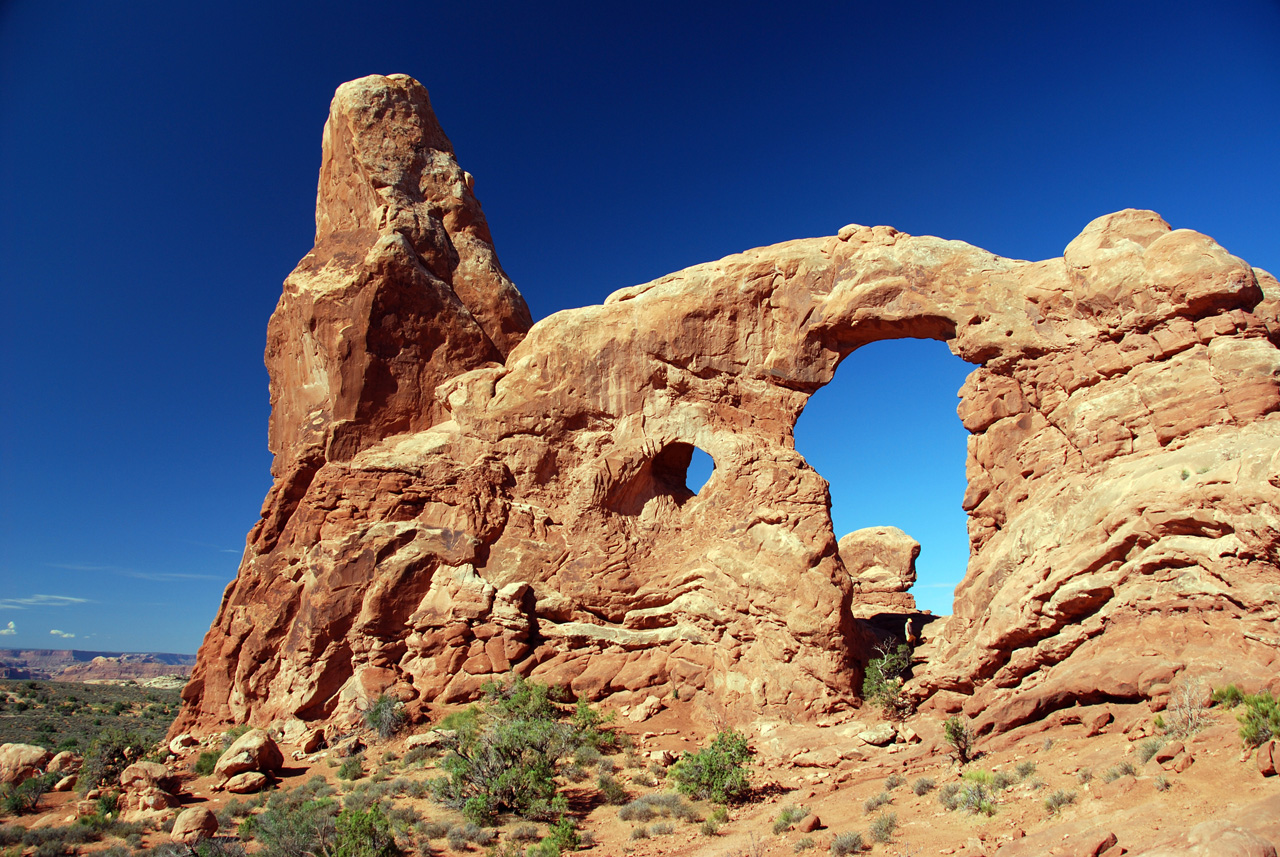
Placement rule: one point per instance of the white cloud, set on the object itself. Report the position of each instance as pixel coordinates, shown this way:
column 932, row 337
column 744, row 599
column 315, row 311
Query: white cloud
column 8, row 632
column 62, row 634
column 40, row 601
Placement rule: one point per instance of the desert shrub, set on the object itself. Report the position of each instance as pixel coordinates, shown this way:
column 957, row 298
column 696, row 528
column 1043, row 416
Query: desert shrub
column 985, row 778
column 874, row 802
column 976, row 799
column 847, row 843
column 352, row 768
column 216, row 847
column 662, row 828
column 710, row 827
column 385, row 716
column 589, row 727
column 803, row 844
column 894, row 780
column 1084, row 775
column 611, row 790
column 961, row 738
column 525, row 833
column 586, row 756
column 10, row 834
column 640, row 832
column 25, row 796
column 922, row 786
column 574, row 772
column 418, row 754
column 1115, row 772
column 1162, row 783
column 1149, row 748
column 1187, row 713
column 229, row 737
column 429, row 830
column 882, row 682
column 605, row 766
column 1056, row 801
column 563, row 834
column 293, row 824
column 644, row 778
column 1260, row 719
column 636, row 811
column 1228, row 697
column 108, row 755
column 788, row 818
column 1025, row 769
column 1047, row 745
column 1001, row 780
column 949, row 796
column 457, row 839
column 715, row 773
column 206, row 762
column 363, row 833
column 883, row 826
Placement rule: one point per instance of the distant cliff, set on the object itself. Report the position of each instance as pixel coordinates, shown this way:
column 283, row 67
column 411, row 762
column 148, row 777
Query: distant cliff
column 74, row 665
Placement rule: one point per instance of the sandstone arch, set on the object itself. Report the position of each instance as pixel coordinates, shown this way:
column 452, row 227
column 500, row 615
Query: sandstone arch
column 509, row 503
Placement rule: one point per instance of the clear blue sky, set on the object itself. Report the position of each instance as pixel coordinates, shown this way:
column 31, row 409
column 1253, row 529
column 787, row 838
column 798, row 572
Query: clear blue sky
column 158, row 165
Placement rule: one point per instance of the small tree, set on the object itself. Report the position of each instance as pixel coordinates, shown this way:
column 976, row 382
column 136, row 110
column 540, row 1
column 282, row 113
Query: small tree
column 715, row 773
column 1260, row 719
column 882, row 683
column 961, row 739
column 385, row 716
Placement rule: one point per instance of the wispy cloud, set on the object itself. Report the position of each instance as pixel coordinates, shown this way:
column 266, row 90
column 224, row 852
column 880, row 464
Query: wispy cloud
column 40, row 601
column 155, row 576
column 62, row 634
column 8, row 632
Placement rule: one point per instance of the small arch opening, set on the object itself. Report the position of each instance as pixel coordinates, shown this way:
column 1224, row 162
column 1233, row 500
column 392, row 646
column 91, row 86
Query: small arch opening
column 885, row 435
column 678, row 471
column 701, row 464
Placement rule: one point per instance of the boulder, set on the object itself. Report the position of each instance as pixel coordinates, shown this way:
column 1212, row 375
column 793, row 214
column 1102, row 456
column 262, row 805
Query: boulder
column 879, row 735
column 19, row 762
column 65, row 762
column 1267, row 759
column 194, row 824
column 246, row 783
column 65, row 784
column 143, row 775
column 255, row 750
column 179, row 745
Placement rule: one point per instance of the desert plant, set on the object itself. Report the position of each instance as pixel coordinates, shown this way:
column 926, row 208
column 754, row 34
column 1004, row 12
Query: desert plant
column 710, row 827
column 363, row 833
column 206, row 762
column 1260, row 719
column 922, row 786
column 883, row 826
column 788, row 818
column 1025, row 769
column 108, row 755
column 976, row 799
column 662, row 828
column 961, row 738
column 716, row 773
column 894, row 780
column 352, row 768
column 611, row 790
column 949, row 796
column 1115, row 772
column 874, row 802
column 1149, row 748
column 640, row 832
column 1187, row 711
column 1228, row 697
column 293, row 825
column 1084, row 775
column 882, row 682
column 847, row 843
column 1001, row 780
column 25, row 796
column 1056, row 801
column 803, row 844
column 385, row 716
column 525, row 833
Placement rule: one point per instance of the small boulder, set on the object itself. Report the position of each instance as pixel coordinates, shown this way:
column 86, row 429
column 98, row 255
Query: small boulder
column 179, row 746
column 65, row 784
column 65, row 762
column 148, row 799
column 20, row 762
column 1268, row 759
column 642, row 712
column 144, row 775
column 434, row 738
column 879, row 735
column 253, row 751
column 246, row 783
column 193, row 824
column 809, row 823
column 1168, row 752
column 311, row 741
column 663, row 757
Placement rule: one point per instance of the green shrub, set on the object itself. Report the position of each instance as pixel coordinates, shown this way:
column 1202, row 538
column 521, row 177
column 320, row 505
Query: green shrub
column 25, row 796
column 352, row 768
column 1056, row 801
column 108, row 755
column 206, row 762
column 922, row 786
column 385, row 716
column 364, row 833
column 294, row 824
column 883, row 826
column 874, row 802
column 961, row 739
column 1260, row 719
column 788, row 818
column 1229, row 696
column 229, row 737
column 976, row 799
column 882, row 682
column 611, row 790
column 1149, row 748
column 847, row 843
column 715, row 773
column 710, row 827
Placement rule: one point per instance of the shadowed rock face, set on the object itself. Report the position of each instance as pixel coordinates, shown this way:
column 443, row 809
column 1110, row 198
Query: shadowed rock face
column 453, row 501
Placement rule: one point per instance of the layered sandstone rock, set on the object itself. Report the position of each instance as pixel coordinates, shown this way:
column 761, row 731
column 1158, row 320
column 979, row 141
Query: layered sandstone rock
column 442, row 515
column 882, row 563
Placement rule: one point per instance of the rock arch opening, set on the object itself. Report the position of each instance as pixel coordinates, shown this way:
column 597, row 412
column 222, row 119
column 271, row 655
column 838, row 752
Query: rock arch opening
column 885, row 435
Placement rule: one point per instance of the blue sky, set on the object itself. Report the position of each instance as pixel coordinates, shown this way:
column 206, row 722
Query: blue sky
column 158, row 163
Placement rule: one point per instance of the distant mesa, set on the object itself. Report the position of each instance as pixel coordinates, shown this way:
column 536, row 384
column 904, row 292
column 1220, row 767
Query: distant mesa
column 459, row 494
column 75, row 665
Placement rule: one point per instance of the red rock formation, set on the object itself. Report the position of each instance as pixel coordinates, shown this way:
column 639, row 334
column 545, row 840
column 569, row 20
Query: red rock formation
column 441, row 516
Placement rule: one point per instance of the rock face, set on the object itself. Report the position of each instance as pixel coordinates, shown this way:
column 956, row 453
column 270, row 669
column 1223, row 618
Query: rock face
column 453, row 501
column 882, row 563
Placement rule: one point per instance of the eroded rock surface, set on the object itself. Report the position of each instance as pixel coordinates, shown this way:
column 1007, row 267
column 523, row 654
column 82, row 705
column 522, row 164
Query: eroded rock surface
column 456, row 498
